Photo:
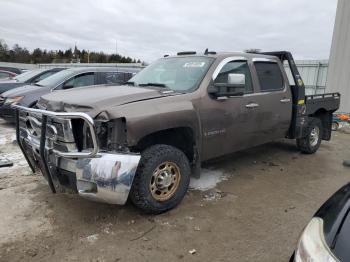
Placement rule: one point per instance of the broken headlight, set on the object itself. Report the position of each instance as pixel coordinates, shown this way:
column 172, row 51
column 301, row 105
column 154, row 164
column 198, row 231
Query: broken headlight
column 13, row 100
column 111, row 135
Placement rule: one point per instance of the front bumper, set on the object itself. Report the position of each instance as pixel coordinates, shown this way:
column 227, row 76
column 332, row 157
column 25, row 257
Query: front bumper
column 96, row 175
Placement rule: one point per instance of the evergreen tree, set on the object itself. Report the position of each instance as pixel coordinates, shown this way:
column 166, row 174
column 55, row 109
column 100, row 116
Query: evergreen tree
column 20, row 54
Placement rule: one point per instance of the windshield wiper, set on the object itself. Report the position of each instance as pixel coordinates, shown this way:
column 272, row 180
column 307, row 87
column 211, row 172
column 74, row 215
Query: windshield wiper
column 154, row 84
column 37, row 84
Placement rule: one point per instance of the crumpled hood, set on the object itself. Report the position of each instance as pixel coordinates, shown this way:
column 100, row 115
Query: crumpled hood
column 23, row 90
column 96, row 99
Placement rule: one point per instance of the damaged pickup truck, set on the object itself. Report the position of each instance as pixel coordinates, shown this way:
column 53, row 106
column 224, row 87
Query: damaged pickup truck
column 144, row 139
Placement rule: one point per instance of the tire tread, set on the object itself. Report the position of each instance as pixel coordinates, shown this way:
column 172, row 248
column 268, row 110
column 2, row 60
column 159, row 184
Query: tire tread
column 139, row 190
column 303, row 143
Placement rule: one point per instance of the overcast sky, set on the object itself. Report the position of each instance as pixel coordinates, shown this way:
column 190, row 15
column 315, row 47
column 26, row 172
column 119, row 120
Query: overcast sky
column 148, row 29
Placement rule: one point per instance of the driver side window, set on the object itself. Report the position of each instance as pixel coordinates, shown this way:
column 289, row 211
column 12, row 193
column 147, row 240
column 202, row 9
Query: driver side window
column 86, row 79
column 235, row 67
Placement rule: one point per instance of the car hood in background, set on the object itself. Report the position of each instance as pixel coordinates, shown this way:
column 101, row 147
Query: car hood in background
column 5, row 86
column 23, row 90
column 96, row 99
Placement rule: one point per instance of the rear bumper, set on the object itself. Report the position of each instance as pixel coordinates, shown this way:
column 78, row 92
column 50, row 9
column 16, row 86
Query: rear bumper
column 99, row 176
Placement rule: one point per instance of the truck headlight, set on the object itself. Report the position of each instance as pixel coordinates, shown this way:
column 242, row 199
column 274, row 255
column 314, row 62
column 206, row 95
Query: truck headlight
column 13, row 100
column 312, row 245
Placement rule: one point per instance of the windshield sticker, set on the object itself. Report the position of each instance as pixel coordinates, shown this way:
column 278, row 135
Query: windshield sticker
column 194, row 64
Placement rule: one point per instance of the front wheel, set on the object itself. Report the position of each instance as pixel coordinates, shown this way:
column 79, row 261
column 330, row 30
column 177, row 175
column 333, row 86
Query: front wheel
column 312, row 141
column 161, row 179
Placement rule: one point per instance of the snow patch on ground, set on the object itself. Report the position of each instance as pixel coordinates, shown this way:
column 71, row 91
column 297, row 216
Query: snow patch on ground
column 3, row 140
column 344, row 128
column 16, row 157
column 209, row 179
column 7, row 136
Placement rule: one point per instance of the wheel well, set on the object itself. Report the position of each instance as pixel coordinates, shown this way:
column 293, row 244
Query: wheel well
column 33, row 104
column 180, row 137
column 326, row 120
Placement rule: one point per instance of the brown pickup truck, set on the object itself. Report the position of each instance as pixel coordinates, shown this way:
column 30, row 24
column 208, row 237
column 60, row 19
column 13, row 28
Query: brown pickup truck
column 144, row 139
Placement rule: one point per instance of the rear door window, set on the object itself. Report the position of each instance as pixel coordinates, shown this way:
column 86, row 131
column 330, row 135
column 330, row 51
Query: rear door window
column 116, row 77
column 270, row 76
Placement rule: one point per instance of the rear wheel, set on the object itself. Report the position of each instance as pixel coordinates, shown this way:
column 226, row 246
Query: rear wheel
column 161, row 180
column 312, row 141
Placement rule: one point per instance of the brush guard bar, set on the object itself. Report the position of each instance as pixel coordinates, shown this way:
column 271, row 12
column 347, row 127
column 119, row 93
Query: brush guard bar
column 100, row 176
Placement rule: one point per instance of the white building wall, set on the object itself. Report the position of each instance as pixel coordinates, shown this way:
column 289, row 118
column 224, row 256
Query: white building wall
column 339, row 62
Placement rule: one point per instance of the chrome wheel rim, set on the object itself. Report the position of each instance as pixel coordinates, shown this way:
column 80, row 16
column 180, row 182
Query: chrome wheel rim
column 165, row 181
column 314, row 136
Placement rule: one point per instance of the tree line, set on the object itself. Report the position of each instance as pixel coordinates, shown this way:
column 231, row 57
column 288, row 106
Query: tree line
column 18, row 54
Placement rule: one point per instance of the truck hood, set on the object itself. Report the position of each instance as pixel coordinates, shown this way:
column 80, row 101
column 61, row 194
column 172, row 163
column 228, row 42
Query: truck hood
column 96, row 99
column 23, row 90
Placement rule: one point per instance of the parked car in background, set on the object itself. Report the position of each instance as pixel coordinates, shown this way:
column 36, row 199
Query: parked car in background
column 28, row 95
column 6, row 75
column 15, row 70
column 27, row 78
column 327, row 236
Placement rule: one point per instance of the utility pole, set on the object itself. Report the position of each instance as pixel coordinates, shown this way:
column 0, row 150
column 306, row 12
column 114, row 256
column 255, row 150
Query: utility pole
column 116, row 52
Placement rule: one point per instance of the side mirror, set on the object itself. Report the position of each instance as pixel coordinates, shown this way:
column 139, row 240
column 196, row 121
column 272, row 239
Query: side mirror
column 235, row 86
column 236, row 79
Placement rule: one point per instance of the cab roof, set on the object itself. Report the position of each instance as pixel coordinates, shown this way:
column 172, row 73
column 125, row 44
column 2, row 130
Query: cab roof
column 222, row 55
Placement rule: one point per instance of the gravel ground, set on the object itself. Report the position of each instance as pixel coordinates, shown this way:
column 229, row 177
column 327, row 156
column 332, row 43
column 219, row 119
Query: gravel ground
column 249, row 206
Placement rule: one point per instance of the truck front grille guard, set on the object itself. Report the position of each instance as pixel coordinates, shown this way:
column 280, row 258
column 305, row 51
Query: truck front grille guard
column 72, row 115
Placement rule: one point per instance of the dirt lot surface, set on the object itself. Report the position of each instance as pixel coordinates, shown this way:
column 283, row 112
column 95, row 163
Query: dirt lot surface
column 265, row 198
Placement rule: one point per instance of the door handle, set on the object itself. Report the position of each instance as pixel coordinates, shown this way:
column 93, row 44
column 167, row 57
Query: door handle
column 252, row 105
column 285, row 100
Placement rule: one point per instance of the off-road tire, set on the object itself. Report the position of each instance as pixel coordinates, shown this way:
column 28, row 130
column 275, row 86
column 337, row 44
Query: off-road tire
column 140, row 194
column 304, row 144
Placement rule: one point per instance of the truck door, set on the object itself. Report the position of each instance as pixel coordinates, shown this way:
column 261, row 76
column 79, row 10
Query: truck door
column 229, row 123
column 274, row 100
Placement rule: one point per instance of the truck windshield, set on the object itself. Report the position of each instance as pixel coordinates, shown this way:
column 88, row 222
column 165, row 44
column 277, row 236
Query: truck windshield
column 176, row 73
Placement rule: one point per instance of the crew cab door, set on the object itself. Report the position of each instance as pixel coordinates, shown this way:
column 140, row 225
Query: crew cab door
column 274, row 98
column 228, row 123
